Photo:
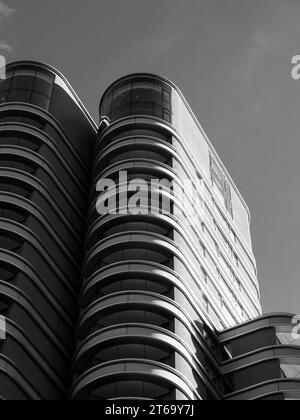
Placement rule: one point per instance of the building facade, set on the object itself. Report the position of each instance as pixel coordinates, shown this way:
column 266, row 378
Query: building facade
column 46, row 146
column 156, row 297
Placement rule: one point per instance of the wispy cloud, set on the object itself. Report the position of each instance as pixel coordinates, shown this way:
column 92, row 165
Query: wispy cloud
column 5, row 47
column 6, row 12
column 165, row 35
column 277, row 34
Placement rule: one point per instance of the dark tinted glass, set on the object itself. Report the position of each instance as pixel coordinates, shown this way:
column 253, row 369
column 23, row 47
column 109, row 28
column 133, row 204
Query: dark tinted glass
column 19, row 95
column 5, row 85
column 40, row 100
column 3, row 97
column 143, row 96
column 122, row 94
column 106, row 106
column 143, row 108
column 143, row 91
column 42, row 86
column 23, row 82
column 121, row 111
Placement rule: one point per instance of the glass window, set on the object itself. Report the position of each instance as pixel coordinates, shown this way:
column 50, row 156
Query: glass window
column 167, row 116
column 158, row 111
column 143, row 91
column 24, row 72
column 106, row 105
column 158, row 96
column 42, row 86
column 220, row 182
column 122, row 94
column 3, row 97
column 5, row 85
column 285, row 336
column 19, row 95
column 290, row 370
column 121, row 111
column 40, row 100
column 167, row 96
column 23, row 82
column 143, row 108
column 146, row 96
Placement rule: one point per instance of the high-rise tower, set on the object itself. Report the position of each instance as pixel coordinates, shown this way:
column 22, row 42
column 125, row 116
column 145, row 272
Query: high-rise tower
column 152, row 278
column 127, row 254
column 46, row 144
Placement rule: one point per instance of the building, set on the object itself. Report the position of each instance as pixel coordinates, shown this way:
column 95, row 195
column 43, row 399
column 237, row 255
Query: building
column 151, row 299
column 46, row 145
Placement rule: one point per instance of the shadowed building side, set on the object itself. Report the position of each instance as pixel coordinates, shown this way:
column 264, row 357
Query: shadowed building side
column 46, row 144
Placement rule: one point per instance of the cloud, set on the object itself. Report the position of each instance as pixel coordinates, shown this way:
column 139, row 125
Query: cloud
column 6, row 12
column 278, row 33
column 5, row 47
column 156, row 43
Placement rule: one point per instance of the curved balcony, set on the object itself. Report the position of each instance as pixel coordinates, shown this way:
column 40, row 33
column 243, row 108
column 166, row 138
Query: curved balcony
column 150, row 308
column 25, row 245
column 26, row 184
column 137, row 126
column 34, row 136
column 46, row 145
column 26, row 314
column 158, row 380
column 18, row 209
column 36, row 363
column 265, row 361
column 13, row 384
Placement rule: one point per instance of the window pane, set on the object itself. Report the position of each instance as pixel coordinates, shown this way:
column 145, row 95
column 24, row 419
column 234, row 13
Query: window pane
column 106, row 106
column 40, row 100
column 157, row 93
column 167, row 116
column 143, row 91
column 23, row 82
column 167, row 96
column 290, row 371
column 158, row 111
column 285, row 336
column 42, row 86
column 121, row 111
column 19, row 95
column 5, row 85
column 3, row 97
column 143, row 108
column 122, row 94
column 24, row 72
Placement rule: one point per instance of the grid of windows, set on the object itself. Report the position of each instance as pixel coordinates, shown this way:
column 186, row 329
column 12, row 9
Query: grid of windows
column 219, row 180
column 28, row 86
column 142, row 96
column 223, row 227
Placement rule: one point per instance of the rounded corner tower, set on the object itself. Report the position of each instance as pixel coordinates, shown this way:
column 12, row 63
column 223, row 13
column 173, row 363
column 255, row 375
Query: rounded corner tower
column 155, row 275
column 126, row 265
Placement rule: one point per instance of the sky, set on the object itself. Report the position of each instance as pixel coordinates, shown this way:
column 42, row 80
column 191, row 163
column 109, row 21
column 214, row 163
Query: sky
column 231, row 59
